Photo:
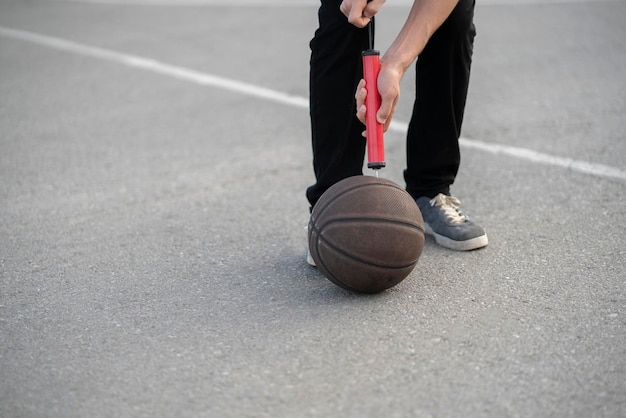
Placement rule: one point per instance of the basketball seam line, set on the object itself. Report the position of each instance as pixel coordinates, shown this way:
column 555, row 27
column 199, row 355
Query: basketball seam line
column 319, row 238
column 365, row 261
column 376, row 220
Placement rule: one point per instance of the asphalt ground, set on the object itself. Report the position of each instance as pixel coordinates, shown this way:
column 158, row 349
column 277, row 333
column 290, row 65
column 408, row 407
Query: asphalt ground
column 152, row 214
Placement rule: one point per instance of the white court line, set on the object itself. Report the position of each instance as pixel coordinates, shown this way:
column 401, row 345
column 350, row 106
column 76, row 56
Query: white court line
column 585, row 167
column 181, row 73
column 155, row 66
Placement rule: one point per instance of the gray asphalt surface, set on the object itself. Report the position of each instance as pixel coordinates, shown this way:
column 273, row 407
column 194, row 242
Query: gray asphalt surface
column 152, row 251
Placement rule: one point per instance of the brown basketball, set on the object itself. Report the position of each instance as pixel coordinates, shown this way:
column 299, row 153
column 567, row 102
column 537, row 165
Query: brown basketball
column 366, row 234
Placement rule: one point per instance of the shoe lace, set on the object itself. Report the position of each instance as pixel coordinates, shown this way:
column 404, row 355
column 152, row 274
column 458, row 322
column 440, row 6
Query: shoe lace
column 450, row 207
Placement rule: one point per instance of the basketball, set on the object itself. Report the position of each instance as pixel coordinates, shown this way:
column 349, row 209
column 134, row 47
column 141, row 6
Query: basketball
column 366, row 234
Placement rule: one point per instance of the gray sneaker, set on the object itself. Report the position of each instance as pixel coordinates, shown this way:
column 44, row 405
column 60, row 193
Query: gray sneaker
column 451, row 229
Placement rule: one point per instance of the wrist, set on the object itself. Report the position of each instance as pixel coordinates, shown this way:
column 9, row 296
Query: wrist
column 393, row 66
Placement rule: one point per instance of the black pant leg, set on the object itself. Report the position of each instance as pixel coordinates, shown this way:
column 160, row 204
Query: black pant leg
column 335, row 69
column 442, row 80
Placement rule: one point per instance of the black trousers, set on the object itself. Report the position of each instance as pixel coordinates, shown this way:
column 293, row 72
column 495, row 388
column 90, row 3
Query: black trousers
column 442, row 79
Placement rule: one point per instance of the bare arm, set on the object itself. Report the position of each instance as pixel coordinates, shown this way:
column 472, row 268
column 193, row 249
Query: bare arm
column 425, row 17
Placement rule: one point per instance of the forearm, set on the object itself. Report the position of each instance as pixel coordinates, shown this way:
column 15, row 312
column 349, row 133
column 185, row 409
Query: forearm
column 425, row 17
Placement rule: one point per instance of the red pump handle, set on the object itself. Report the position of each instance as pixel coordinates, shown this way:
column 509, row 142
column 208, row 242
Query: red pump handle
column 374, row 130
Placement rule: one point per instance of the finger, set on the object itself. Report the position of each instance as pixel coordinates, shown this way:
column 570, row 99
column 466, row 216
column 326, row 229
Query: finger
column 360, row 86
column 386, row 124
column 354, row 11
column 344, row 8
column 357, row 19
column 385, row 113
column 372, row 8
column 385, row 120
column 360, row 113
column 361, row 94
column 388, row 121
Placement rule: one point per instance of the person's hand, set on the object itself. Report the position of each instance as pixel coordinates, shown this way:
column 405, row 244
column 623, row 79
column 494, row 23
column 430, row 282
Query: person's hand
column 360, row 12
column 361, row 109
column 389, row 89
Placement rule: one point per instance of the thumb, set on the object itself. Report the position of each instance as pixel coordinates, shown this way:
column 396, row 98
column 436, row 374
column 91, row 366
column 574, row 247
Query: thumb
column 389, row 89
column 385, row 113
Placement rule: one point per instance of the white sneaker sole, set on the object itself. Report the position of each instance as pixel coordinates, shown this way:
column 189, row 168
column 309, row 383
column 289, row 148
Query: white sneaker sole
column 467, row 245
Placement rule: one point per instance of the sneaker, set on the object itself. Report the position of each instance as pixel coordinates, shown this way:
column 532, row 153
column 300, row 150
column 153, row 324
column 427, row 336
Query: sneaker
column 451, row 229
